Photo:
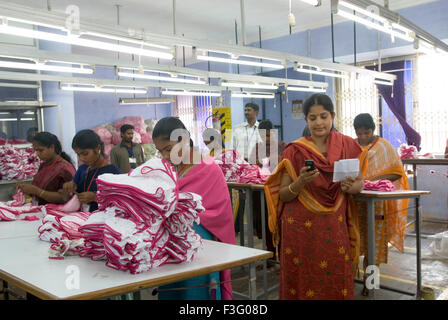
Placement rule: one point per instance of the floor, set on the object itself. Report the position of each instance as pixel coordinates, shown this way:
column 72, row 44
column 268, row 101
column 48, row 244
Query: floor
column 399, row 273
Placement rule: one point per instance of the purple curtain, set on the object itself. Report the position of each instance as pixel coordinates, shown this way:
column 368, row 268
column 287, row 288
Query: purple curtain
column 395, row 98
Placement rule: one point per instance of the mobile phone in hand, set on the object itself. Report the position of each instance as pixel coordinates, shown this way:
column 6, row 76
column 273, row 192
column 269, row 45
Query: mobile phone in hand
column 310, row 164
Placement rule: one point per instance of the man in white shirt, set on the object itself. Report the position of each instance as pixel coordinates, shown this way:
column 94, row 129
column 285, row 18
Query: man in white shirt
column 245, row 135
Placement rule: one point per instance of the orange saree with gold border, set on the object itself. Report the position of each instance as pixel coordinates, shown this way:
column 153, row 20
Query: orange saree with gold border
column 319, row 229
column 390, row 215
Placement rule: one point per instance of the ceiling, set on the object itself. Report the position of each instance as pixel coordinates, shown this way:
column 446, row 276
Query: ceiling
column 205, row 19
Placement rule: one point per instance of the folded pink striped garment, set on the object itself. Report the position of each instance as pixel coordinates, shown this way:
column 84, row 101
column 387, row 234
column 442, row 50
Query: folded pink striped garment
column 236, row 169
column 17, row 209
column 379, row 185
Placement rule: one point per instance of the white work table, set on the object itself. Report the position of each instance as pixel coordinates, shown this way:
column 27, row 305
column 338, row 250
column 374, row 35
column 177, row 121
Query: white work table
column 19, row 229
column 25, row 264
column 370, row 197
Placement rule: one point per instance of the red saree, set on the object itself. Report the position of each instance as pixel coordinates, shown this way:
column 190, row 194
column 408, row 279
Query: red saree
column 51, row 177
column 319, row 230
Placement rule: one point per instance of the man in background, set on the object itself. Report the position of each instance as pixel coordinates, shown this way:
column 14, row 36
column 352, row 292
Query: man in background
column 245, row 135
column 127, row 155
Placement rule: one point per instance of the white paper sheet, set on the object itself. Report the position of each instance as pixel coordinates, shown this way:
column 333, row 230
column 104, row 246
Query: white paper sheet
column 345, row 168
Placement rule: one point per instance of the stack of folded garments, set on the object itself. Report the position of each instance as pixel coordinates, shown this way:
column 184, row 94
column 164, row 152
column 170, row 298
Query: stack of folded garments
column 17, row 209
column 18, row 163
column 379, row 185
column 143, row 221
column 93, row 231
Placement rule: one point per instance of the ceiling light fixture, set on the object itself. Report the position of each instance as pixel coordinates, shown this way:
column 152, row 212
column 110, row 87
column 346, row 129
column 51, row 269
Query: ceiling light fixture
column 305, row 89
column 132, row 101
column 384, row 83
column 318, row 72
column 75, row 40
column 261, row 95
column 383, row 24
column 19, row 85
column 160, row 78
column 203, row 57
column 45, row 67
column 249, row 85
column 93, row 88
column 174, row 92
column 313, row 2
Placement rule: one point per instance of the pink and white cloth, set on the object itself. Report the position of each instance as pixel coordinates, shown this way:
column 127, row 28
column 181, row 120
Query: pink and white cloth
column 18, row 164
column 60, row 226
column 236, row 169
column 143, row 221
column 407, row 152
column 379, row 185
column 60, row 210
column 17, row 209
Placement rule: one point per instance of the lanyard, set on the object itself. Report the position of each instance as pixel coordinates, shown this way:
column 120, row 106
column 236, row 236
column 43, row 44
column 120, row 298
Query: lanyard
column 93, row 177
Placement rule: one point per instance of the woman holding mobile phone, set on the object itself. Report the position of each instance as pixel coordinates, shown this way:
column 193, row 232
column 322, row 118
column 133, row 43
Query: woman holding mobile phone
column 317, row 228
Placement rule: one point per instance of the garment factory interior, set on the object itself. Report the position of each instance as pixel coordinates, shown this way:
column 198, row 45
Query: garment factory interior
column 351, row 82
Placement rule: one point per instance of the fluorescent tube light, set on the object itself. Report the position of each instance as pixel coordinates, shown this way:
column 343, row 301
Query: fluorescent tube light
column 106, row 36
column 19, row 85
column 249, row 85
column 160, row 78
column 363, row 11
column 376, row 26
column 382, row 82
column 74, row 40
column 44, row 67
column 8, row 119
column 305, row 89
column 102, row 89
column 243, row 62
column 322, row 73
column 312, row 2
column 128, row 101
column 190, row 93
column 260, row 95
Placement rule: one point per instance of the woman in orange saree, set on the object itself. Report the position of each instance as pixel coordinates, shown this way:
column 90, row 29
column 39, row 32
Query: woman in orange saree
column 312, row 216
column 390, row 215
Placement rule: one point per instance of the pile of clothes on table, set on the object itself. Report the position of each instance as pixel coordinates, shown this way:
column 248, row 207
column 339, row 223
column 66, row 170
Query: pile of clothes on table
column 18, row 164
column 236, row 169
column 143, row 221
column 17, row 209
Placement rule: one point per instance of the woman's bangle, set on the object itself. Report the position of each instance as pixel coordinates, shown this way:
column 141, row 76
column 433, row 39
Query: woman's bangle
column 290, row 190
column 41, row 193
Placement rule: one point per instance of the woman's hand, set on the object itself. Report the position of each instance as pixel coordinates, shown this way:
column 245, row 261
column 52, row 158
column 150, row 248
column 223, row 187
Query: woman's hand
column 306, row 177
column 29, row 189
column 289, row 189
column 87, row 197
column 352, row 185
column 347, row 184
column 69, row 188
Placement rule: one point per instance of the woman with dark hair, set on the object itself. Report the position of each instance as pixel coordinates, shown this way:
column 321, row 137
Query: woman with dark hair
column 203, row 177
column 390, row 215
column 90, row 150
column 55, row 170
column 319, row 230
